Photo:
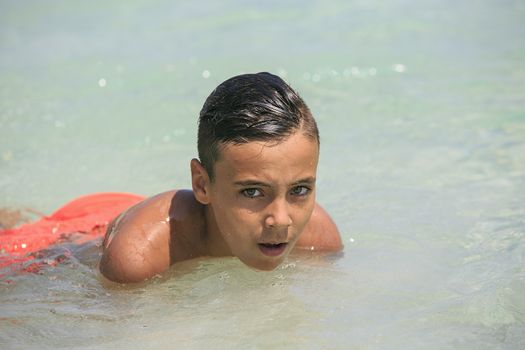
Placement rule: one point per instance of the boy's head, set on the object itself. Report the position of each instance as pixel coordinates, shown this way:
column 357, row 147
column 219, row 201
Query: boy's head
column 251, row 107
column 259, row 149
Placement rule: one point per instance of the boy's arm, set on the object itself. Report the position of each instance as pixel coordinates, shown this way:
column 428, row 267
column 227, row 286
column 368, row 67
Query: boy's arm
column 320, row 233
column 137, row 243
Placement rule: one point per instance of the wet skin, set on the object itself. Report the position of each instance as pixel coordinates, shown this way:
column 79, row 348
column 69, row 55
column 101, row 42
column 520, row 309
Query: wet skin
column 259, row 206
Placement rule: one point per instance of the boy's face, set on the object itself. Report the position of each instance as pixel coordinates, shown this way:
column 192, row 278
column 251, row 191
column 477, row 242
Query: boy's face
column 262, row 197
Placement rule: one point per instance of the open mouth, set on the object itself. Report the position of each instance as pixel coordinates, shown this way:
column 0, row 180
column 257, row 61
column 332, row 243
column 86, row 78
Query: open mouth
column 272, row 249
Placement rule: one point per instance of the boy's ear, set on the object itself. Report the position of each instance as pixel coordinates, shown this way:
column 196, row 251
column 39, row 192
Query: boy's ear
column 200, row 181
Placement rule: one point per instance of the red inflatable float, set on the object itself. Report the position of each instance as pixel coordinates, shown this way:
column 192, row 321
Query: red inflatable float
column 87, row 215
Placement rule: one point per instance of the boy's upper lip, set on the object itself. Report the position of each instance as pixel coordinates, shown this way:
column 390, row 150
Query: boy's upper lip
column 274, row 237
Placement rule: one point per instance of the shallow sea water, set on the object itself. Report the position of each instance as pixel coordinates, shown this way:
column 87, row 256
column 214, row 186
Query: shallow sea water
column 421, row 109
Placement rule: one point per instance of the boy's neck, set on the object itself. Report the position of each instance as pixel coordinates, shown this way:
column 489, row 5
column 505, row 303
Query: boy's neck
column 214, row 243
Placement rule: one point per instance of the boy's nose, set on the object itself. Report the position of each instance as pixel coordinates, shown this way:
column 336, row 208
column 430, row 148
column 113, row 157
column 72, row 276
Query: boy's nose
column 278, row 214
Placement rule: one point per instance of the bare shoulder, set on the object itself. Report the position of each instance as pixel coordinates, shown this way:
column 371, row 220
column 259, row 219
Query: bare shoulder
column 137, row 245
column 320, row 233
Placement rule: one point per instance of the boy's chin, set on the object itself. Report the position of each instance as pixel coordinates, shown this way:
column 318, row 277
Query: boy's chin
column 267, row 265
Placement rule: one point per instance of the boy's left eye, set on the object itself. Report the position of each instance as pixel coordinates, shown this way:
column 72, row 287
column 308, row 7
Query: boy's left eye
column 251, row 192
column 300, row 191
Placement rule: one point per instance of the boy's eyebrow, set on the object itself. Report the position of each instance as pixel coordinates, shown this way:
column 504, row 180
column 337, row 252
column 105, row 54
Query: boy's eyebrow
column 251, row 183
column 307, row 180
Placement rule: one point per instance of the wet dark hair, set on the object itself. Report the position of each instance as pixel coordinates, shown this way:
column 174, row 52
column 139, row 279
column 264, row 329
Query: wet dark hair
column 251, row 107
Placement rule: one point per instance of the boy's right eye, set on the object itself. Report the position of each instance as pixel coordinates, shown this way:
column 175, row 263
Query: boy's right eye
column 251, row 192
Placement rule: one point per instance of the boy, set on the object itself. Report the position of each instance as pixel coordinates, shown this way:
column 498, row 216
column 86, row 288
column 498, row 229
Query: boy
column 253, row 189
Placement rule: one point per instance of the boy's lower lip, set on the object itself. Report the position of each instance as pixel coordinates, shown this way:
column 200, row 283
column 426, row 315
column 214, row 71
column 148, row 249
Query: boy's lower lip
column 272, row 249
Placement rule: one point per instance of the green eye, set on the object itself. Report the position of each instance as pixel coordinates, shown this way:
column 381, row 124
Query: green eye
column 251, row 192
column 300, row 191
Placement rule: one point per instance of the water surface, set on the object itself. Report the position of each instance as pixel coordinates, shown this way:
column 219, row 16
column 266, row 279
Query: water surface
column 422, row 116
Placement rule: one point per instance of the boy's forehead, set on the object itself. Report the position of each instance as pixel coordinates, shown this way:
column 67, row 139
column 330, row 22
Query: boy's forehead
column 296, row 154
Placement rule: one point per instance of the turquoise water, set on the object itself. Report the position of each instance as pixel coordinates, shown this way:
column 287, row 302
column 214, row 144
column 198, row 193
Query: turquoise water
column 421, row 109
